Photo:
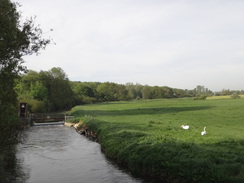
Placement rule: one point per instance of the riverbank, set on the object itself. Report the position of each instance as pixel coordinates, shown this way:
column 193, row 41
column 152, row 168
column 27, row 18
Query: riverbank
column 57, row 154
column 82, row 129
column 147, row 138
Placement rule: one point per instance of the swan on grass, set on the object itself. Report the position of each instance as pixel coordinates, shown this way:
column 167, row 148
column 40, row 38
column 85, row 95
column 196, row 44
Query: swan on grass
column 186, row 127
column 204, row 131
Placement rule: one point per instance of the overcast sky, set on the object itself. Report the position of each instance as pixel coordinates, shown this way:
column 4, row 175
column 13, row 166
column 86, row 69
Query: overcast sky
column 175, row 43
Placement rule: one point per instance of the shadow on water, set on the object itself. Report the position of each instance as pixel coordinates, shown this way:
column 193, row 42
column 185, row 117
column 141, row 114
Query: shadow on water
column 11, row 170
column 139, row 111
column 9, row 166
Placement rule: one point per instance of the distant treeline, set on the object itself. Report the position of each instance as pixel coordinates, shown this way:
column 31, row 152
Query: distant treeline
column 47, row 91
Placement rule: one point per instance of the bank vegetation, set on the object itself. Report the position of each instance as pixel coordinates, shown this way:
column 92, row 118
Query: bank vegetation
column 146, row 137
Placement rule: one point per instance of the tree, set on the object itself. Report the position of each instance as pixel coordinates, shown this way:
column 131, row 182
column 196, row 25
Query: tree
column 60, row 95
column 107, row 91
column 17, row 39
column 38, row 91
column 146, row 92
column 157, row 92
column 201, row 90
column 226, row 92
column 168, row 92
column 134, row 91
column 112, row 92
column 83, row 93
column 45, row 91
column 179, row 93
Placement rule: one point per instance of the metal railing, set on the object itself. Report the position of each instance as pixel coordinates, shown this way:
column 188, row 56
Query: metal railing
column 47, row 117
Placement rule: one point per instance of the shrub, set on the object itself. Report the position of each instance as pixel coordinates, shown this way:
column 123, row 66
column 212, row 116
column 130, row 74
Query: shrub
column 235, row 96
column 202, row 97
column 36, row 106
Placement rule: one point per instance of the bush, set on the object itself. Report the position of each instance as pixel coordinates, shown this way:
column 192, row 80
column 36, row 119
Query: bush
column 202, row 97
column 235, row 96
column 36, row 106
column 88, row 100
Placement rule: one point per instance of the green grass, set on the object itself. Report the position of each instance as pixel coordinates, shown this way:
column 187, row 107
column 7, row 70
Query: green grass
column 146, row 136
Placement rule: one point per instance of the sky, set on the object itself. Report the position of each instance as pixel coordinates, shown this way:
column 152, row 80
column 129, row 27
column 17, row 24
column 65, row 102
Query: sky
column 174, row 43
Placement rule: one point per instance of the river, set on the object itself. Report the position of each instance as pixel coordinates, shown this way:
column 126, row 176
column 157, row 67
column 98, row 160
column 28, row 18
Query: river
column 57, row 154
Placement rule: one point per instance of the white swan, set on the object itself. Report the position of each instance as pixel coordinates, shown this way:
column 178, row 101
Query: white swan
column 186, row 127
column 204, row 131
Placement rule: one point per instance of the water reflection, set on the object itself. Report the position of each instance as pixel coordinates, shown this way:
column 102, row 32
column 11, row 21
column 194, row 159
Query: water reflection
column 11, row 170
column 58, row 154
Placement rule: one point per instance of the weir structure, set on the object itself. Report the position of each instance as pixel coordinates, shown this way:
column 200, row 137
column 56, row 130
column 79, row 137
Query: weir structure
column 47, row 118
column 30, row 119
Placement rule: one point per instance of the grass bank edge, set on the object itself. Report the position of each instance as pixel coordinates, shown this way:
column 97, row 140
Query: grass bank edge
column 169, row 160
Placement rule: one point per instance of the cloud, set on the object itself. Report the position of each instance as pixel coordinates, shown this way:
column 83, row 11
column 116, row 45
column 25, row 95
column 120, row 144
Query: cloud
column 180, row 43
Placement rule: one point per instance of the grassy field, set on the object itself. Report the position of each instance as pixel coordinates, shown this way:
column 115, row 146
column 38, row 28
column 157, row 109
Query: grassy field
column 146, row 136
column 222, row 97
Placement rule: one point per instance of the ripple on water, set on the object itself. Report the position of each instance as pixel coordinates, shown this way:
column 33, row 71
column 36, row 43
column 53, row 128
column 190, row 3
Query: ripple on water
column 58, row 154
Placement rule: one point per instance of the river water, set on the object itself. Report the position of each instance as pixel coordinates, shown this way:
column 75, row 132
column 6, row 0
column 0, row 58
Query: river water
column 57, row 154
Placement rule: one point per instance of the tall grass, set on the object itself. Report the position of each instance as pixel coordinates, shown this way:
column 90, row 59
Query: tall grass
column 146, row 136
column 222, row 97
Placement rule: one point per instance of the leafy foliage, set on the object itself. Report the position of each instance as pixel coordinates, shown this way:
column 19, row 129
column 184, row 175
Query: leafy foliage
column 46, row 91
column 17, row 39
